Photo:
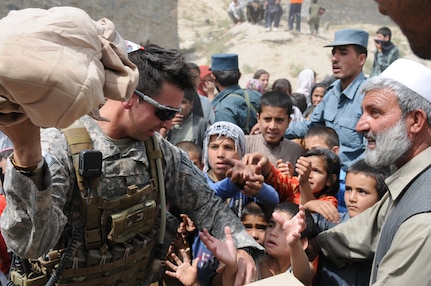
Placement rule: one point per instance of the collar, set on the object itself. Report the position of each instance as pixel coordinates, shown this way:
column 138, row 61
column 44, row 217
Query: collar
column 351, row 89
column 402, row 177
column 221, row 95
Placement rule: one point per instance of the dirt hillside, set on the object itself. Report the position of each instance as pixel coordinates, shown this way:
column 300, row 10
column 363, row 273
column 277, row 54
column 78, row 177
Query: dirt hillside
column 204, row 28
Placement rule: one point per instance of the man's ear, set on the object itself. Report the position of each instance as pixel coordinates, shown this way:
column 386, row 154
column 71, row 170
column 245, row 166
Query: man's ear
column 129, row 103
column 362, row 58
column 336, row 149
column 126, row 104
column 418, row 121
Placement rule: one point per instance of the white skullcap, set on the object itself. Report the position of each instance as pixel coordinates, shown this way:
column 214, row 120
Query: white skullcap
column 411, row 74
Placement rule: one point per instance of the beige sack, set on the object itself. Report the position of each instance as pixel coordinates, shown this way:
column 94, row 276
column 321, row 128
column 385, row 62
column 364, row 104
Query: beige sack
column 57, row 65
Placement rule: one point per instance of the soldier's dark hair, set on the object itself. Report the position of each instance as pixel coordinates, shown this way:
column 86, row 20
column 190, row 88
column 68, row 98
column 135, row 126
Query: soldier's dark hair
column 227, row 78
column 157, row 65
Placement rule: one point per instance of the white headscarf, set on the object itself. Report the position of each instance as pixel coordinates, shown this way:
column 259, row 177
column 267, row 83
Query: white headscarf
column 305, row 82
column 229, row 130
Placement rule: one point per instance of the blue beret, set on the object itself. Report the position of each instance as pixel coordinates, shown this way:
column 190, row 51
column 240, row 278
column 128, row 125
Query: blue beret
column 224, row 62
column 350, row 37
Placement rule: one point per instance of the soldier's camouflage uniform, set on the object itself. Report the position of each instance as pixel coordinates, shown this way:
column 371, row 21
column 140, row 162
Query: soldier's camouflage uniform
column 34, row 220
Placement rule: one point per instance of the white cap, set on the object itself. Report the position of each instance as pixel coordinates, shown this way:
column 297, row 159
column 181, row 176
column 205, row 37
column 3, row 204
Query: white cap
column 411, row 74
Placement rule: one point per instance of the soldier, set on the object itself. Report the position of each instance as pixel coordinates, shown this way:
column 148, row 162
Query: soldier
column 109, row 230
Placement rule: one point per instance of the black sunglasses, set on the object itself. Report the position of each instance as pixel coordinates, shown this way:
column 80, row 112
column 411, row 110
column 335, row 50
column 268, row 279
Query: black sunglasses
column 163, row 112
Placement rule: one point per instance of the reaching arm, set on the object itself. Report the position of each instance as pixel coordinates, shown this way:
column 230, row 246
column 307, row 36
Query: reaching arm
column 292, row 228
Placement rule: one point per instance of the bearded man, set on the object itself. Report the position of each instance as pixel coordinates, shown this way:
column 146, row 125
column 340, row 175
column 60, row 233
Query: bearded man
column 396, row 231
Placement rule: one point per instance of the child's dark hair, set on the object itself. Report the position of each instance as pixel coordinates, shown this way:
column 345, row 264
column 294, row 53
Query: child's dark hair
column 300, row 101
column 189, row 146
column 189, row 94
column 257, row 209
column 328, row 134
column 311, row 229
column 333, row 166
column 283, row 85
column 378, row 174
column 319, row 84
column 276, row 99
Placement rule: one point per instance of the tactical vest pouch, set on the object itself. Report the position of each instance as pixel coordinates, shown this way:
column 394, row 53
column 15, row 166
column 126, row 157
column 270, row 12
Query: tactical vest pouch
column 20, row 280
column 127, row 223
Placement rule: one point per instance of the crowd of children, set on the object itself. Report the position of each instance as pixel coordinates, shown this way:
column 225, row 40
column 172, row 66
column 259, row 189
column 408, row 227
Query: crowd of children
column 267, row 180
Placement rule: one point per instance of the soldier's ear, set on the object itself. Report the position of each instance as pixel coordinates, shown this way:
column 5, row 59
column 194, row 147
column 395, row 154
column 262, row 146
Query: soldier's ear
column 127, row 104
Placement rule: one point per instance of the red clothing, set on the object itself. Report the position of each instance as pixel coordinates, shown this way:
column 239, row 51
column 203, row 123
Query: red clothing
column 288, row 188
column 5, row 258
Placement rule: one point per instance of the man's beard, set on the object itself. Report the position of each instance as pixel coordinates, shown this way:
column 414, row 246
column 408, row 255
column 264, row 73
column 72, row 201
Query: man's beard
column 392, row 145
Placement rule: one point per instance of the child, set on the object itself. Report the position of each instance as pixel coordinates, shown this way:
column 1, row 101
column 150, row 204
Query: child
column 284, row 250
column 226, row 140
column 316, row 96
column 255, row 218
column 286, row 237
column 315, row 186
column 186, row 126
column 365, row 186
column 326, row 137
column 273, row 118
column 194, row 152
column 315, row 11
column 318, row 180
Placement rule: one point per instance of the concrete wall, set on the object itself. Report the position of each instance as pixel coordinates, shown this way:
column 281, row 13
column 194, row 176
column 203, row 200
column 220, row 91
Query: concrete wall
column 136, row 20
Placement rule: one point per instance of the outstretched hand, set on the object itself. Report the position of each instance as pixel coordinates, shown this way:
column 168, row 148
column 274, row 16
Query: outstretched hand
column 184, row 271
column 292, row 228
column 303, row 169
column 237, row 267
column 225, row 252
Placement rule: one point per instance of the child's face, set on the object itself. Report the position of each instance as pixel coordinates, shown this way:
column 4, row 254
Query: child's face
column 273, row 122
column 275, row 239
column 186, row 107
column 317, row 95
column 218, row 149
column 255, row 227
column 319, row 177
column 196, row 159
column 264, row 79
column 361, row 193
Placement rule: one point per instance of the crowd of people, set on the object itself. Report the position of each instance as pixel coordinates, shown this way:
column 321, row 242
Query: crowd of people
column 270, row 12
column 180, row 176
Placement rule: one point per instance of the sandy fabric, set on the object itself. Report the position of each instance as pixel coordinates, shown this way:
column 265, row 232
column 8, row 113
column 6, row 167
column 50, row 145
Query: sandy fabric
column 58, row 64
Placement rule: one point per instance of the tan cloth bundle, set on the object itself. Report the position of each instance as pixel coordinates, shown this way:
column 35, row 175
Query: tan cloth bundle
column 58, row 64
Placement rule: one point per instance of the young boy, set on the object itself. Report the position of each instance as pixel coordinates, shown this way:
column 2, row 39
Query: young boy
column 186, row 126
column 194, row 152
column 326, row 137
column 273, row 118
column 364, row 187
